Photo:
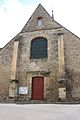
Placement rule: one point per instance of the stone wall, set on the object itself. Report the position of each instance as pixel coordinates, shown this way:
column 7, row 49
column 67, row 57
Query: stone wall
column 72, row 66
column 5, row 65
column 46, row 67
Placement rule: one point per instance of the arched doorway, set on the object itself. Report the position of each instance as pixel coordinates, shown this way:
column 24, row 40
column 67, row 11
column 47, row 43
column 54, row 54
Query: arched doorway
column 38, row 88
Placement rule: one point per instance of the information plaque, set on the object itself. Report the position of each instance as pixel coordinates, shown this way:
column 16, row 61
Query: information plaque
column 23, row 90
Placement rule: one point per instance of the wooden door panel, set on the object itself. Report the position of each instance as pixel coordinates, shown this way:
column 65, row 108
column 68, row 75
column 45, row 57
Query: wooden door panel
column 38, row 88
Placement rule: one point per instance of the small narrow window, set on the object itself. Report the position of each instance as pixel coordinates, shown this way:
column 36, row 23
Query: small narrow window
column 40, row 22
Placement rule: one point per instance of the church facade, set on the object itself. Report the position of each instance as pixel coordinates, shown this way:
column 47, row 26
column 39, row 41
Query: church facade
column 41, row 63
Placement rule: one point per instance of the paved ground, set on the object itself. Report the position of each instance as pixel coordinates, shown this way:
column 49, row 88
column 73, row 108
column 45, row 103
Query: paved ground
column 39, row 112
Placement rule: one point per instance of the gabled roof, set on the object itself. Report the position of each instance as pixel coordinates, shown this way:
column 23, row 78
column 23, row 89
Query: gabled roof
column 49, row 23
column 31, row 25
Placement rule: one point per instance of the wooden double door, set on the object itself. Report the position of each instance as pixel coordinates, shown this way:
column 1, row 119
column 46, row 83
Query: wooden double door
column 37, row 88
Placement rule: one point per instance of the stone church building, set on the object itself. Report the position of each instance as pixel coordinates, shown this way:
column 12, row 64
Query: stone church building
column 41, row 63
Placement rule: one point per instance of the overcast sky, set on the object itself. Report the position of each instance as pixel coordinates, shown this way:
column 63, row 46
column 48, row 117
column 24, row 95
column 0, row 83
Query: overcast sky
column 15, row 13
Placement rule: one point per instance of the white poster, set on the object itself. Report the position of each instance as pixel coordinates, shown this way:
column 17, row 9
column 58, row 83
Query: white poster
column 23, row 90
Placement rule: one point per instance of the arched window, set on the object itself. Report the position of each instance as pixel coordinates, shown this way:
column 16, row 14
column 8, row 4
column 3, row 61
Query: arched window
column 40, row 22
column 38, row 48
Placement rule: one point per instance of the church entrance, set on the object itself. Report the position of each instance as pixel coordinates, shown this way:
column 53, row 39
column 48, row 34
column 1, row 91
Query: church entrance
column 37, row 88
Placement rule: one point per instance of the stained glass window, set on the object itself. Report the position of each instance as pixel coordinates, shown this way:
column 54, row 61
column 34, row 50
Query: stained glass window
column 38, row 48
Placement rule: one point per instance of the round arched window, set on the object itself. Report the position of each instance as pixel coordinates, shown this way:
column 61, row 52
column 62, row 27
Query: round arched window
column 38, row 48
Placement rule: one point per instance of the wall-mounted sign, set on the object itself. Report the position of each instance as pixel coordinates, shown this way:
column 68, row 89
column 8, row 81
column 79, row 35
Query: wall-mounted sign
column 23, row 90
column 62, row 93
